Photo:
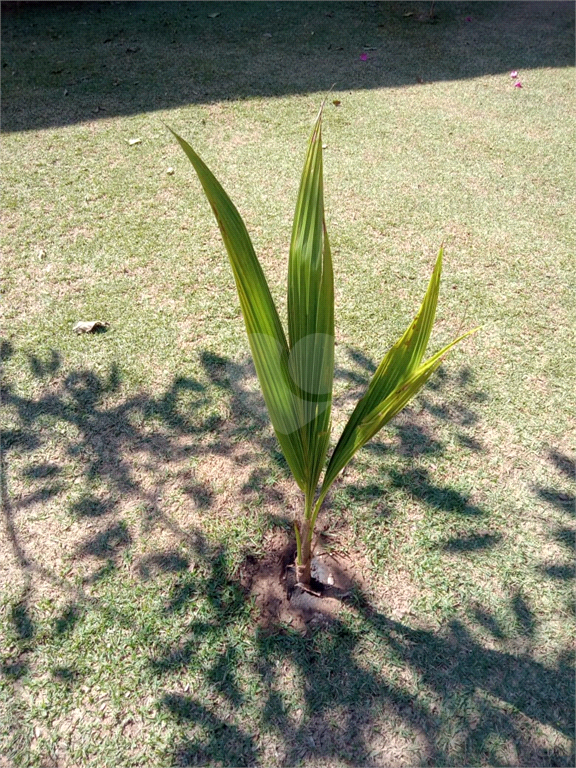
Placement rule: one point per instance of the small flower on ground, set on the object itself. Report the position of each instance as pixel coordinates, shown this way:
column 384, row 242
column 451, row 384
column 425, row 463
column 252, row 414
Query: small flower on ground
column 514, row 74
column 363, row 56
column 518, row 84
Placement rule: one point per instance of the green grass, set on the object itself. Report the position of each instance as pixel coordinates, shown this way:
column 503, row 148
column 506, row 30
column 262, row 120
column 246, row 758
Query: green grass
column 137, row 469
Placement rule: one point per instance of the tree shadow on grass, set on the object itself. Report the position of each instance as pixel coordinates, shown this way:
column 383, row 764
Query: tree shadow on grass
column 456, row 702
column 220, row 743
column 561, row 498
column 344, row 702
column 99, row 432
column 65, row 63
column 455, row 668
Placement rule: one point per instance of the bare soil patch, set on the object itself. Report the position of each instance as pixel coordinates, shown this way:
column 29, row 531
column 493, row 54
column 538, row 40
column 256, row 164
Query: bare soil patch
column 281, row 602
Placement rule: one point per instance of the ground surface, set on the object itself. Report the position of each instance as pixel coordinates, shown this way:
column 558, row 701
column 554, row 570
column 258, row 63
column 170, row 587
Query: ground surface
column 146, row 508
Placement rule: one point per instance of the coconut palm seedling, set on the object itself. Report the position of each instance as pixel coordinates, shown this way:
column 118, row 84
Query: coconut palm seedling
column 296, row 370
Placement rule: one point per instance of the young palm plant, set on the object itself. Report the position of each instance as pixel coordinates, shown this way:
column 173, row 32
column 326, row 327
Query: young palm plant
column 296, row 372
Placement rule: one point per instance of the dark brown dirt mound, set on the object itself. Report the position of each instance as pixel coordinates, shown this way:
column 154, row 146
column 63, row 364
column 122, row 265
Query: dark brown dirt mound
column 281, row 602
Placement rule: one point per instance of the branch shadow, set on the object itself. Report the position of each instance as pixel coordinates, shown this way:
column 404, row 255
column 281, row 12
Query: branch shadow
column 561, row 499
column 462, row 693
column 220, row 741
column 104, row 431
column 65, row 63
column 344, row 703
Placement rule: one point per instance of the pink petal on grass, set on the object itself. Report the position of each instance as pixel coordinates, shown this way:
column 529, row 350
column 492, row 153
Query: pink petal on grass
column 518, row 84
column 363, row 56
column 514, row 74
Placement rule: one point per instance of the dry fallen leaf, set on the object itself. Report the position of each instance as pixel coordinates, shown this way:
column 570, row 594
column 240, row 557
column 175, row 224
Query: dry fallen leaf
column 336, row 102
column 134, row 141
column 213, row 15
column 89, row 326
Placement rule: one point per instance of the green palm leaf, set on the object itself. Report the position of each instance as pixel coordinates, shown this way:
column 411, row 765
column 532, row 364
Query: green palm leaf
column 398, row 378
column 265, row 332
column 311, row 313
column 296, row 380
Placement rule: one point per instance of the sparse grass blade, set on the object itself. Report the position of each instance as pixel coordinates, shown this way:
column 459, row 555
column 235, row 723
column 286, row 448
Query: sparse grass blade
column 265, row 333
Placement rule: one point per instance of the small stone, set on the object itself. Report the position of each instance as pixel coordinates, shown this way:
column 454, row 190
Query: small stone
column 170, row 171
column 89, row 326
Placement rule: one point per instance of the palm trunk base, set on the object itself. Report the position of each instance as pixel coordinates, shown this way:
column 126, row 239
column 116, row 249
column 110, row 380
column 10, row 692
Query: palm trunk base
column 303, row 574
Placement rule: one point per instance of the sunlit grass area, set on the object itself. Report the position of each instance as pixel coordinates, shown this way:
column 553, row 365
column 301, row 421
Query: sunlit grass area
column 139, row 473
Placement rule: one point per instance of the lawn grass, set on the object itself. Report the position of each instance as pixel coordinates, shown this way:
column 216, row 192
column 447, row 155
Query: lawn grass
column 138, row 469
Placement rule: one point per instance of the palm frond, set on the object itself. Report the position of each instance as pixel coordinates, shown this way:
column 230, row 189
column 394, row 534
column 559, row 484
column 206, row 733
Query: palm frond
column 265, row 333
column 398, row 378
column 311, row 313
